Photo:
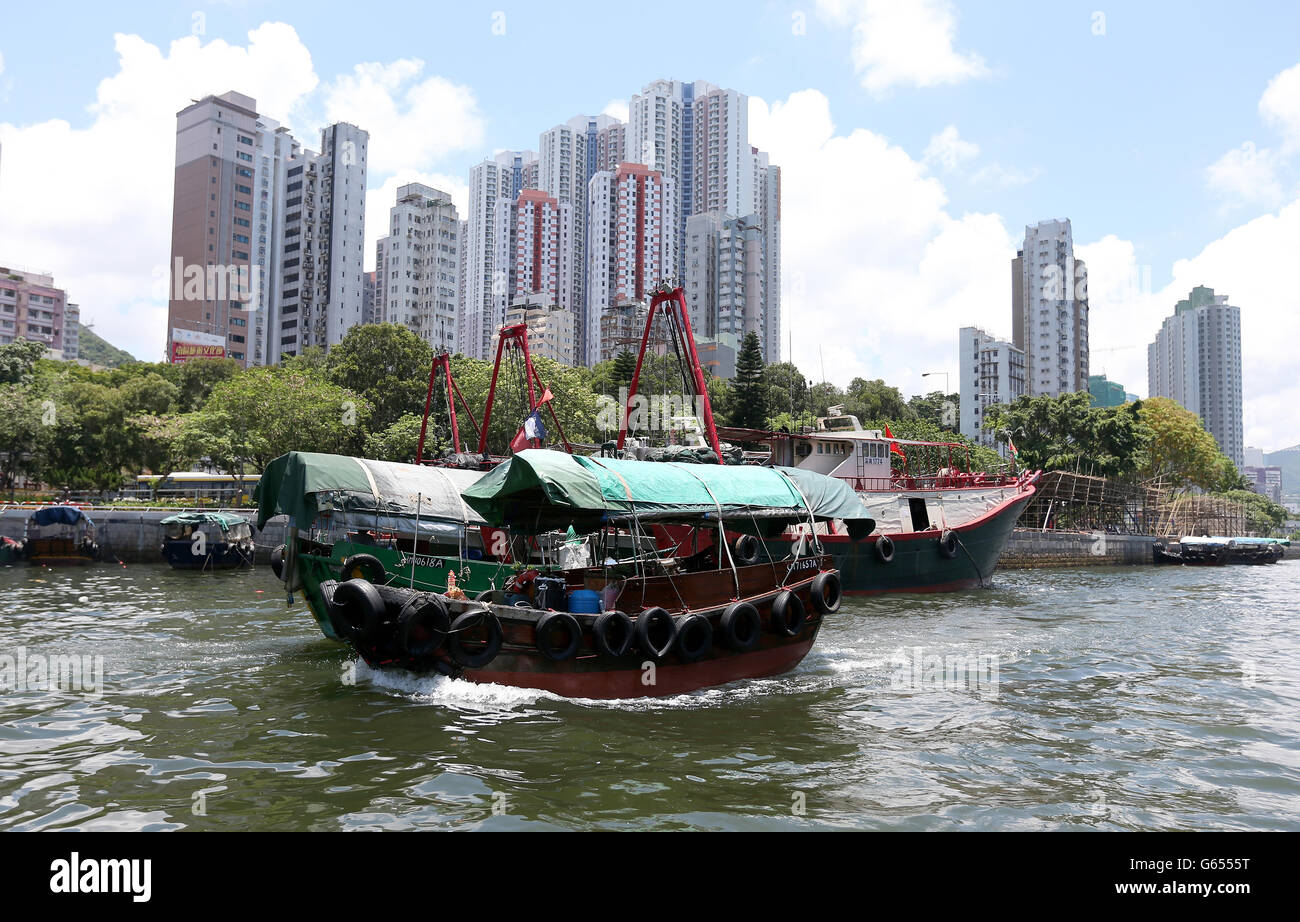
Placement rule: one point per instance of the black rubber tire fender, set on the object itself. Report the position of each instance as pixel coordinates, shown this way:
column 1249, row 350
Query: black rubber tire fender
column 277, row 562
column 826, row 592
column 694, row 637
column 356, row 609
column 568, row 629
column 885, row 548
column 746, row 551
column 613, row 632
column 364, row 566
column 948, row 544
column 423, row 626
column 656, row 632
column 741, row 626
column 788, row 614
column 467, row 621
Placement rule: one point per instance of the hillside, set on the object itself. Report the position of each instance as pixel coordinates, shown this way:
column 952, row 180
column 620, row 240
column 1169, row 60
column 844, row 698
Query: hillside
column 1289, row 460
column 95, row 349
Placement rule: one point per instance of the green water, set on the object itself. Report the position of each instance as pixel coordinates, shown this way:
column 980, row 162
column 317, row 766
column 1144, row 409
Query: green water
column 1133, row 698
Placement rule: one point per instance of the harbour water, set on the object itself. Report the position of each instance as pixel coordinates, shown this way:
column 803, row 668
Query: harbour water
column 1097, row 698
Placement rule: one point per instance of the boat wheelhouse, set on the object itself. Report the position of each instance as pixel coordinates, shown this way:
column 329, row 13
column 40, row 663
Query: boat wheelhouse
column 354, row 516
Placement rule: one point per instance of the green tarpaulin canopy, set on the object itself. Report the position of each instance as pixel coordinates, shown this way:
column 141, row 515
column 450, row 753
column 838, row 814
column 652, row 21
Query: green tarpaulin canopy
column 541, row 490
column 303, row 484
column 223, row 519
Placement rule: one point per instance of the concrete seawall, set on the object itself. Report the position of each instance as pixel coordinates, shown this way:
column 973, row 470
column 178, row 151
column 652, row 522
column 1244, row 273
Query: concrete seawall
column 136, row 535
column 1029, row 548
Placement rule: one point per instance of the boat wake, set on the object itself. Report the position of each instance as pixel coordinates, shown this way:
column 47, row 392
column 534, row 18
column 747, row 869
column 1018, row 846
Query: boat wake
column 460, row 693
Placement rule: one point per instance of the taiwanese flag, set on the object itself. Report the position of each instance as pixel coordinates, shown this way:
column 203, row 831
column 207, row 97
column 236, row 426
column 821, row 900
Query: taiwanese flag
column 525, row 439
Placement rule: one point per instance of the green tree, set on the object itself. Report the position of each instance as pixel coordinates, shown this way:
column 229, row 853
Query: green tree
column 196, row 379
column 787, row 394
column 267, row 411
column 20, row 435
column 399, row 441
column 1263, row 516
column 385, row 363
column 1179, row 448
column 748, row 393
column 1069, row 433
column 875, row 400
column 17, row 359
column 938, row 408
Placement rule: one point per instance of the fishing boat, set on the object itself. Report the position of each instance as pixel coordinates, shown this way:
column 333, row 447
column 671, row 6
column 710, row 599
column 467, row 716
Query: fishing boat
column 604, row 624
column 935, row 532
column 60, row 536
column 354, row 517
column 207, row 541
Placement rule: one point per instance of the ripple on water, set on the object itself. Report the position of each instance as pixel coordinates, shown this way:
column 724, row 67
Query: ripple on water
column 1111, row 699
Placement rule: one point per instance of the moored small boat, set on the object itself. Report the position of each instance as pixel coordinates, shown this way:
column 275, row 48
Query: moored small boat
column 59, row 536
column 207, row 541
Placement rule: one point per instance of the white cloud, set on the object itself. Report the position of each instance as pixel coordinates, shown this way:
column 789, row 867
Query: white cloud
column 1245, row 176
column 411, row 121
column 618, row 108
column 109, row 243
column 949, row 150
column 877, row 275
column 1253, row 265
column 1280, row 105
column 1253, row 176
column 903, row 42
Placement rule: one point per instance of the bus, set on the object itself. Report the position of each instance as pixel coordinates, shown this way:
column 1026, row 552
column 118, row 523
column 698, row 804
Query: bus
column 224, row 489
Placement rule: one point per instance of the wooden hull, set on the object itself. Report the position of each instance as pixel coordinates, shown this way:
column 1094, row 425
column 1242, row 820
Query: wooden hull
column 589, row 673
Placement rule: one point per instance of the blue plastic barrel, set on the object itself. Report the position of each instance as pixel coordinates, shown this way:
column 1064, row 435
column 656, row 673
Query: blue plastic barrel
column 584, row 602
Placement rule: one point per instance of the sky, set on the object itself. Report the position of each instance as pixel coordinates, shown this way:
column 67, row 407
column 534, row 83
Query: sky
column 916, row 139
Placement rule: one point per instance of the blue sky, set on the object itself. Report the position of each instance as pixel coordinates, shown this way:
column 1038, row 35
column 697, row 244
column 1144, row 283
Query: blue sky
column 1114, row 130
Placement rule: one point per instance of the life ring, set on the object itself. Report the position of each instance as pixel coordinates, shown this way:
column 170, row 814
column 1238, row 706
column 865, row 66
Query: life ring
column 826, row 592
column 788, row 613
column 356, row 609
column 694, row 637
column 948, row 544
column 741, row 626
column 563, row 625
column 467, row 621
column 613, row 632
column 422, row 626
column 746, row 550
column 364, row 566
column 656, row 632
column 277, row 562
column 885, row 548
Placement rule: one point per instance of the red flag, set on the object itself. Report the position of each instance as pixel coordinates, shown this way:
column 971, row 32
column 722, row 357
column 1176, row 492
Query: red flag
column 893, row 446
column 1012, row 446
column 546, row 395
column 520, row 441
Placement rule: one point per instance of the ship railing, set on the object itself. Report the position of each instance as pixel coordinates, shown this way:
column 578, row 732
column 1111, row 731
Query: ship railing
column 951, row 481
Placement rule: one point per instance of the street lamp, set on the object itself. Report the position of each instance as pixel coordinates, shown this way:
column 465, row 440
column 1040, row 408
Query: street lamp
column 926, row 374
